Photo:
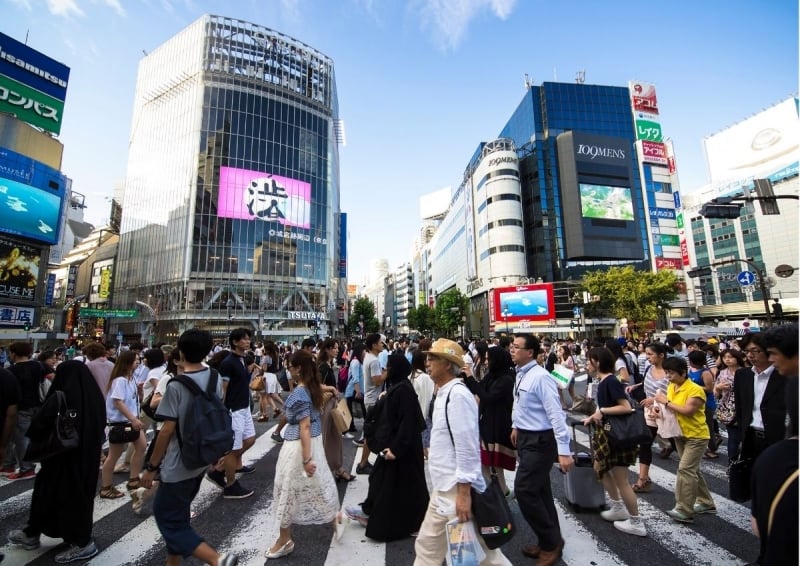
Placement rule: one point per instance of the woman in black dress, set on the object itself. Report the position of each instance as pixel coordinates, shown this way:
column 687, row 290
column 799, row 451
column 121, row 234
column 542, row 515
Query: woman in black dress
column 496, row 399
column 62, row 504
column 398, row 495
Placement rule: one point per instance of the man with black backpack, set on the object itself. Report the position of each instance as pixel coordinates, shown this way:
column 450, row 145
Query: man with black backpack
column 175, row 448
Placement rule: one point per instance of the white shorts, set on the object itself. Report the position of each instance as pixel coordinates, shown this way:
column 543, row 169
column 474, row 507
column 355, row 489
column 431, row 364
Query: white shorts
column 272, row 383
column 243, row 427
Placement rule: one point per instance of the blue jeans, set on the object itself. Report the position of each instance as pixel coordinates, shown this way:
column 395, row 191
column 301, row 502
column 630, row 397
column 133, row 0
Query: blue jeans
column 20, row 442
column 733, row 442
column 171, row 508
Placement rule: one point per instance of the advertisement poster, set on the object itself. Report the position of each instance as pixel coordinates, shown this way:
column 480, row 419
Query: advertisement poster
column 256, row 195
column 525, row 302
column 654, row 152
column 606, row 202
column 19, row 270
column 643, row 97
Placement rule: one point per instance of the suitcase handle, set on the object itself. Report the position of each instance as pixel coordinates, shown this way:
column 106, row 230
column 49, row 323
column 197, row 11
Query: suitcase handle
column 574, row 423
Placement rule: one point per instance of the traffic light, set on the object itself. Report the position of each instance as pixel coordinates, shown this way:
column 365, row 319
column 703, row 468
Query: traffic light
column 572, row 324
column 27, row 326
column 699, row 272
column 721, row 210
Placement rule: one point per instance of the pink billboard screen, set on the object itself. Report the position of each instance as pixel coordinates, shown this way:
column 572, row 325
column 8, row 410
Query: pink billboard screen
column 255, row 195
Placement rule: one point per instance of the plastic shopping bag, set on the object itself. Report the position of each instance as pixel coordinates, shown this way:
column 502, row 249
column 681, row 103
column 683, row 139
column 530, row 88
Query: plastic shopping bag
column 463, row 548
column 562, row 375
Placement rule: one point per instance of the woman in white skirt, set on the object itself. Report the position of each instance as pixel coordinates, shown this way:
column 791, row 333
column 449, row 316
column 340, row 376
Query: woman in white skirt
column 305, row 493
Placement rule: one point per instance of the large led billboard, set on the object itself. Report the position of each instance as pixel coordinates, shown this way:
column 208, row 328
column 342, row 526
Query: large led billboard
column 607, row 202
column 256, row 195
column 19, row 270
column 32, row 86
column 31, row 198
column 601, row 201
column 525, row 302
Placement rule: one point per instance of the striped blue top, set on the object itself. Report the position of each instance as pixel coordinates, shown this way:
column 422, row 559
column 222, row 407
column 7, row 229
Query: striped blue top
column 298, row 406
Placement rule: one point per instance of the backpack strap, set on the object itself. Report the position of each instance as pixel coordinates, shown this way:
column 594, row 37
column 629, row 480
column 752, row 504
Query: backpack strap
column 778, row 496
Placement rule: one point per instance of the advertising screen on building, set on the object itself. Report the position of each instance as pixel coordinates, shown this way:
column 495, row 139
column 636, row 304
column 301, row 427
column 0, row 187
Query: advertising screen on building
column 525, row 302
column 31, row 197
column 256, row 195
column 757, row 146
column 606, row 202
column 19, row 270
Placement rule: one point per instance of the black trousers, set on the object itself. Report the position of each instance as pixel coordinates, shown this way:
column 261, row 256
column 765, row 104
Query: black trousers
column 537, row 451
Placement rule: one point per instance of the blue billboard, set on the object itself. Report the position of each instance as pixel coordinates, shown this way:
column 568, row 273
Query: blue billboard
column 343, row 245
column 31, row 198
column 33, row 69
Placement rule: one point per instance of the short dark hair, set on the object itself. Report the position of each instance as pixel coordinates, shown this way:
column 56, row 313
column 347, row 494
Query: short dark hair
column 697, row 358
column 237, row 334
column 21, row 349
column 153, row 357
column 308, row 343
column 195, row 344
column 94, row 350
column 531, row 343
column 499, row 360
column 673, row 339
column 783, row 338
column 676, row 364
column 136, row 346
column 372, row 339
column 604, row 358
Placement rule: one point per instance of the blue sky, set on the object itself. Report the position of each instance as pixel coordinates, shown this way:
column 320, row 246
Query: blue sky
column 421, row 83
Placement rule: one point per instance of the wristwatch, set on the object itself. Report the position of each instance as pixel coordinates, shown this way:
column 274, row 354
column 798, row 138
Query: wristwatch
column 151, row 468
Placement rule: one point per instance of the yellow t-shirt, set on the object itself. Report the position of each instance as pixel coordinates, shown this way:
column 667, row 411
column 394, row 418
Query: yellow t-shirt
column 694, row 426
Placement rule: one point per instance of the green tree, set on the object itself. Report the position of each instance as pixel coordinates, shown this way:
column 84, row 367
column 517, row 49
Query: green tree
column 363, row 310
column 626, row 293
column 421, row 318
column 451, row 307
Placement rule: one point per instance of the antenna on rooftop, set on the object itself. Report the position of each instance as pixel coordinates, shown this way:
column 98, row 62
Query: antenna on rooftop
column 527, row 81
column 580, row 77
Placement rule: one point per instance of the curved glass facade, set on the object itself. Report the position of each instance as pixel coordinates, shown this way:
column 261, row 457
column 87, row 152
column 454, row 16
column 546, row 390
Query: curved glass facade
column 231, row 208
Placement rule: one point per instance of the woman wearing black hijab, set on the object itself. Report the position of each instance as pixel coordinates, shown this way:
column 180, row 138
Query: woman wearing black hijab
column 398, row 495
column 64, row 489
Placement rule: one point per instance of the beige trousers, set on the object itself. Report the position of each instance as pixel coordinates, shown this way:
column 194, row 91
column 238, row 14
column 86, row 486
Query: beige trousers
column 690, row 487
column 431, row 545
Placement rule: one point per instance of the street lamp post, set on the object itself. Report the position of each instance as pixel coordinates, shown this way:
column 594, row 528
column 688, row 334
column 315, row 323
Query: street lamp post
column 229, row 304
column 506, row 312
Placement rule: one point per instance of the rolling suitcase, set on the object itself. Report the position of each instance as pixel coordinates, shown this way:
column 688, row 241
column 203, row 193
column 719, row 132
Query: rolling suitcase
column 581, row 487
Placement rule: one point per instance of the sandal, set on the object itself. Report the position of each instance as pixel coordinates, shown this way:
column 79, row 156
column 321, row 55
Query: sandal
column 344, row 476
column 132, row 484
column 711, row 455
column 110, row 492
column 642, row 486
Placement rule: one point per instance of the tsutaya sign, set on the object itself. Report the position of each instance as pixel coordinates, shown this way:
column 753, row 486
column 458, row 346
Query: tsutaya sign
column 304, row 315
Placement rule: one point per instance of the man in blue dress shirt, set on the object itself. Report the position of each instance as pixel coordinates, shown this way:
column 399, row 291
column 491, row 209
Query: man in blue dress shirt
column 539, row 432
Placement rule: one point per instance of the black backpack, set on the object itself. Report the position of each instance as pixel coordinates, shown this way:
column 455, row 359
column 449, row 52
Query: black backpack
column 633, row 368
column 206, row 434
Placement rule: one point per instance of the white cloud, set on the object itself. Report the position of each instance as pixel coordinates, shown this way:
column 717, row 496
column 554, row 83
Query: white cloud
column 24, row 4
column 449, row 19
column 65, row 8
column 116, row 6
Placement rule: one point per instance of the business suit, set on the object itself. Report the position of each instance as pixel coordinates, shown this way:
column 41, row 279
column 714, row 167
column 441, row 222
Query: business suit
column 773, row 411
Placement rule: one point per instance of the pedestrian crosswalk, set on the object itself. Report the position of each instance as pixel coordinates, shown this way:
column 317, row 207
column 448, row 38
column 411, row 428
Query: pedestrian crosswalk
column 245, row 527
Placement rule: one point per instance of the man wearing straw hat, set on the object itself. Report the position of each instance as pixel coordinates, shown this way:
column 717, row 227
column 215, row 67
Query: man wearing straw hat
column 454, row 463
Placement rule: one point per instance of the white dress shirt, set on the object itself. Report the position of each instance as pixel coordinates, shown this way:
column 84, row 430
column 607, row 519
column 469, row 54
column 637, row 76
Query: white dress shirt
column 537, row 405
column 457, row 460
column 760, row 381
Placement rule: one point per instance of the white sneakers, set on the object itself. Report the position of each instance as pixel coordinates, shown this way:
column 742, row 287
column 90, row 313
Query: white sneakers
column 623, row 521
column 616, row 512
column 632, row 526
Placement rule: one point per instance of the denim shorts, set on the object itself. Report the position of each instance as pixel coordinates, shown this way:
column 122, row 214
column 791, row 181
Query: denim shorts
column 171, row 508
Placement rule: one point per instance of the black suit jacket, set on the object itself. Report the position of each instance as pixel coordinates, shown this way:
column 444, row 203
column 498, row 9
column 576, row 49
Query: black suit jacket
column 773, row 405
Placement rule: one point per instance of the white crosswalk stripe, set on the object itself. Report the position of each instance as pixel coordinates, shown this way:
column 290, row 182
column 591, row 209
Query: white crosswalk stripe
column 247, row 528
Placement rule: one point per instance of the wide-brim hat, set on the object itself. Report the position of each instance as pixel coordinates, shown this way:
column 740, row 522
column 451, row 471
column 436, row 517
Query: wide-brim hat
column 448, row 350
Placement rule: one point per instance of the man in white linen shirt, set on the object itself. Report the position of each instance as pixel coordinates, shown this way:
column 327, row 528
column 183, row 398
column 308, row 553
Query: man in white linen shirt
column 539, row 433
column 454, row 465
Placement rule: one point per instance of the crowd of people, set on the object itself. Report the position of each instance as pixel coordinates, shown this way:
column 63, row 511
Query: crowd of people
column 468, row 411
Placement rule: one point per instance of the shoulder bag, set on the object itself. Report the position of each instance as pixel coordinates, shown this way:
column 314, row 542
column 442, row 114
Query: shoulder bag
column 121, row 433
column 667, row 422
column 62, row 435
column 627, row 431
column 258, row 383
column 739, row 472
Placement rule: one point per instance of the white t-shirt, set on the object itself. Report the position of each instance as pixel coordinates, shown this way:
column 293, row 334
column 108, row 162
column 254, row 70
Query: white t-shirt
column 372, row 367
column 123, row 389
column 153, row 377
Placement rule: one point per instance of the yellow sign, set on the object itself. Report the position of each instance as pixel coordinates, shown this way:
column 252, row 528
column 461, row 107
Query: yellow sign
column 105, row 283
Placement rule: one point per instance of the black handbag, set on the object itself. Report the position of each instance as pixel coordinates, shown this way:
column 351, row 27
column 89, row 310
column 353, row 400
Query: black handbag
column 146, row 408
column 61, row 434
column 121, row 433
column 493, row 518
column 739, row 472
column 627, row 431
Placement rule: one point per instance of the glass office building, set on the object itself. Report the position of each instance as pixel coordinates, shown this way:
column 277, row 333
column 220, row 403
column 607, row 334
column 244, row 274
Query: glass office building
column 231, row 207
column 576, row 149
